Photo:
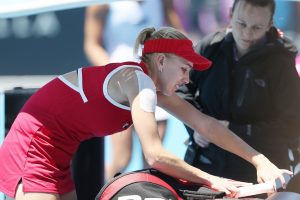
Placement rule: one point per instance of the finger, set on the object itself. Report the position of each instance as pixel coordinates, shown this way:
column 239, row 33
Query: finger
column 259, row 180
column 233, row 194
column 232, row 188
column 199, row 141
column 240, row 184
column 284, row 178
column 280, row 182
column 202, row 143
column 285, row 171
column 227, row 192
column 205, row 141
column 233, row 191
column 221, row 189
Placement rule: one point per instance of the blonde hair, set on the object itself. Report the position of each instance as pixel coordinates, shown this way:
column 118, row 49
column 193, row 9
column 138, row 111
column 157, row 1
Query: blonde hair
column 151, row 33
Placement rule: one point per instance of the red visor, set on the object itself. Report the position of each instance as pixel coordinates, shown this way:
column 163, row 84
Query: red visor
column 179, row 47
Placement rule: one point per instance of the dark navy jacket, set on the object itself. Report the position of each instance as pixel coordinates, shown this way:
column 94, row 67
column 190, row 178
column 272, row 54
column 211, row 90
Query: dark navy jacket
column 259, row 94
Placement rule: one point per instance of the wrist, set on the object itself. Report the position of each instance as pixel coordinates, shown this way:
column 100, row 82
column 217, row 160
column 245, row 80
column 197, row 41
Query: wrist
column 208, row 180
column 259, row 159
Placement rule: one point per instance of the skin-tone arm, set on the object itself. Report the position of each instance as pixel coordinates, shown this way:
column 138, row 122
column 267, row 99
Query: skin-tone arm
column 221, row 136
column 157, row 157
column 94, row 25
column 171, row 15
column 93, row 33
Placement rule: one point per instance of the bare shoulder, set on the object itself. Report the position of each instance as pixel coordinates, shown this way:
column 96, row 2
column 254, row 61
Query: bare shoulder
column 127, row 75
column 127, row 80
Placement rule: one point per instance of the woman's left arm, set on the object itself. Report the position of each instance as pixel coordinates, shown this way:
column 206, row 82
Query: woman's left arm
column 221, row 136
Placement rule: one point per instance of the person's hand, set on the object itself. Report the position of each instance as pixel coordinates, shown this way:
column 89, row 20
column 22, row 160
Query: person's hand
column 230, row 187
column 224, row 122
column 280, row 33
column 267, row 171
column 200, row 139
column 203, row 141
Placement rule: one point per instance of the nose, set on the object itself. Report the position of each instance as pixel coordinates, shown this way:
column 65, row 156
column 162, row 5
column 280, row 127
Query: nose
column 186, row 78
column 248, row 33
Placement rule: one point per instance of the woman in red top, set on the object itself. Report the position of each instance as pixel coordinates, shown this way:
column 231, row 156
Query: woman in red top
column 98, row 101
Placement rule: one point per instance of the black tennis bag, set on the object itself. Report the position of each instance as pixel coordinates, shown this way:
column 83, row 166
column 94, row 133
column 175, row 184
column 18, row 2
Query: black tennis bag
column 152, row 184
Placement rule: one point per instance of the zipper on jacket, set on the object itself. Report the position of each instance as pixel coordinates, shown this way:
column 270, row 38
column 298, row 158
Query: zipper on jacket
column 241, row 98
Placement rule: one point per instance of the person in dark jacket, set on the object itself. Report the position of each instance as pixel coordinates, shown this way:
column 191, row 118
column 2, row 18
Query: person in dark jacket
column 252, row 86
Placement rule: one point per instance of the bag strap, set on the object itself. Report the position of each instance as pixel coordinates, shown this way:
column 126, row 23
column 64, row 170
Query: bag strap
column 121, row 182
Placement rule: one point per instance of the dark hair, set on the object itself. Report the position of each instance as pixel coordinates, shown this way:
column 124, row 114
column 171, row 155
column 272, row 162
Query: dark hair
column 260, row 3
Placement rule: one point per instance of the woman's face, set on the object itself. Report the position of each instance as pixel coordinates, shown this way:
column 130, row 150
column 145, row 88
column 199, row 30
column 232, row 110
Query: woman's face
column 249, row 25
column 173, row 73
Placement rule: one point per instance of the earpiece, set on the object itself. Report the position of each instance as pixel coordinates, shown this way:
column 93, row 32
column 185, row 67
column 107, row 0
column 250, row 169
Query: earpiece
column 160, row 69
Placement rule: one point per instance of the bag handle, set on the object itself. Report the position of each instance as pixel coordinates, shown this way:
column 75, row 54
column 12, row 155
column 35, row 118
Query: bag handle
column 121, row 182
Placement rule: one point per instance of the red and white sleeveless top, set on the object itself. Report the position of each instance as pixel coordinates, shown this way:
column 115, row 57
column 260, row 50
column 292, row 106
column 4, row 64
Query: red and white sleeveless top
column 82, row 111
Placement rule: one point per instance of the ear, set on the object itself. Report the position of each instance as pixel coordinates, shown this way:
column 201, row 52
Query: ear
column 160, row 61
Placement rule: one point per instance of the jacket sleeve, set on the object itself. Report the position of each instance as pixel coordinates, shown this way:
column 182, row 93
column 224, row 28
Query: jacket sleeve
column 286, row 95
column 189, row 91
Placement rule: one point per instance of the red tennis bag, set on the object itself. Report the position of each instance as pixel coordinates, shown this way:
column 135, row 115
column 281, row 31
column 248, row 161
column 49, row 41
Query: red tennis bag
column 150, row 184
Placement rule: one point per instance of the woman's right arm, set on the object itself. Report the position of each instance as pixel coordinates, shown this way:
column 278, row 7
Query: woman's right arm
column 218, row 134
column 164, row 161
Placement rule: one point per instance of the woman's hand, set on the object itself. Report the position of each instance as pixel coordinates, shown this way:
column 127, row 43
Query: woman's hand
column 267, row 171
column 230, row 187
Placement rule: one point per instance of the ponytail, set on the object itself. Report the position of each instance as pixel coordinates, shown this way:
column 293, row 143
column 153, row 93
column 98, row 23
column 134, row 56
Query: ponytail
column 144, row 35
